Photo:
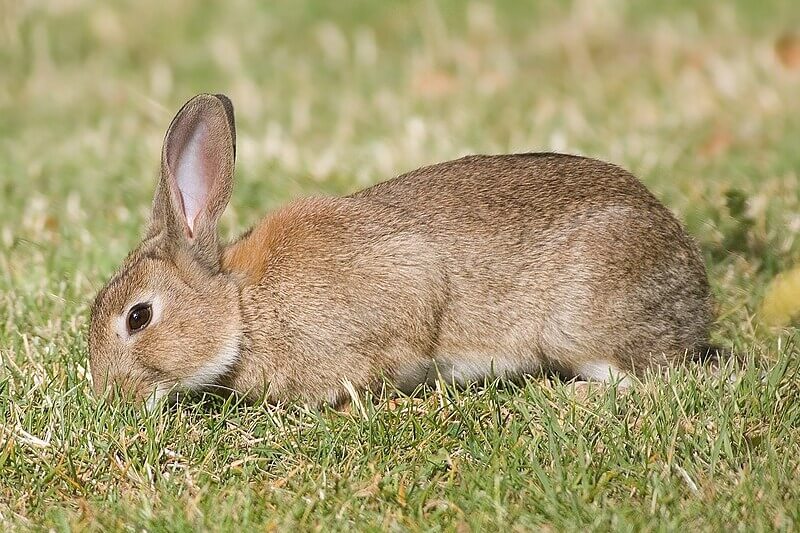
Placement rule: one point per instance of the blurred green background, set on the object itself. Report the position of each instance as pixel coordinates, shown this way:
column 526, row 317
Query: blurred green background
column 699, row 99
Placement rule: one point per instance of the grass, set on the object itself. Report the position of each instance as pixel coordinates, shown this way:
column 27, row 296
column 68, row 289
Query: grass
column 692, row 97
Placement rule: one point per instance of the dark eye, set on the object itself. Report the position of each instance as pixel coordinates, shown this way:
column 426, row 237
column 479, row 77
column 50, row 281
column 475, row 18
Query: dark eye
column 139, row 317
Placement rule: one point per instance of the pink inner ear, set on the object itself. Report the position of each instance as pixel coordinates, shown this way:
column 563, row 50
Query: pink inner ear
column 193, row 174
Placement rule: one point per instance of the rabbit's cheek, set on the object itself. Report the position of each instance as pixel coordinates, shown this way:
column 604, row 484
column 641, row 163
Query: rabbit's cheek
column 210, row 371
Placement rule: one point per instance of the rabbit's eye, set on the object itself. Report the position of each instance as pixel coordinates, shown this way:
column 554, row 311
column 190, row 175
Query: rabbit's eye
column 139, row 317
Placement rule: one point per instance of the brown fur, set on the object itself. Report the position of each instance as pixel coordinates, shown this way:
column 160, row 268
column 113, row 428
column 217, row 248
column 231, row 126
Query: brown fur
column 513, row 263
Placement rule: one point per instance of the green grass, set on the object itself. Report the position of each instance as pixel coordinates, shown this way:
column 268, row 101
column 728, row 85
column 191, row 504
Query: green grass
column 331, row 97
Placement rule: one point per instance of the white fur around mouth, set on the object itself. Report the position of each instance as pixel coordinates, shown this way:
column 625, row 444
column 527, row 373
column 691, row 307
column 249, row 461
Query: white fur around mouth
column 206, row 376
column 154, row 400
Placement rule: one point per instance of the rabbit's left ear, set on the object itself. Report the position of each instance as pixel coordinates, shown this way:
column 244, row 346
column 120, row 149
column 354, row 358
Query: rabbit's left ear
column 197, row 164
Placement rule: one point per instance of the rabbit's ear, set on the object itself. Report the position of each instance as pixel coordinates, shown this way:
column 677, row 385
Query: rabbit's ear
column 197, row 164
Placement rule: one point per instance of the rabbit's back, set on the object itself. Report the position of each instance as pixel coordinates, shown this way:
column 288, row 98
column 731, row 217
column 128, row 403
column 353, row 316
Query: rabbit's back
column 570, row 252
column 483, row 265
column 511, row 193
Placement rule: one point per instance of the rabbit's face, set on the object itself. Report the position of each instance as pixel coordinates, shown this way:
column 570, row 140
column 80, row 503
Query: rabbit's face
column 163, row 324
column 169, row 319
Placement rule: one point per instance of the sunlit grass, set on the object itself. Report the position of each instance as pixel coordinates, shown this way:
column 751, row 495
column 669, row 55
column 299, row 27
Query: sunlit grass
column 699, row 100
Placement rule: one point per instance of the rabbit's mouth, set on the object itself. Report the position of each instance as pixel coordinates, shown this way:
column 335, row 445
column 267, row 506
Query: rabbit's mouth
column 205, row 378
column 165, row 395
column 161, row 392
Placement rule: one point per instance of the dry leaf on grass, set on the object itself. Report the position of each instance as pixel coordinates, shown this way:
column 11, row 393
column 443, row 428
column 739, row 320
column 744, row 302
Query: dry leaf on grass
column 787, row 48
column 781, row 302
column 717, row 144
column 433, row 84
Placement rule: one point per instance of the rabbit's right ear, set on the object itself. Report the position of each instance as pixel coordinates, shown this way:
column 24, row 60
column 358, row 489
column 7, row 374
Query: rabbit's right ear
column 197, row 164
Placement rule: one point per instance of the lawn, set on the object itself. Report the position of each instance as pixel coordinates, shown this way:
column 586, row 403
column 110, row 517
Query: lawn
column 699, row 99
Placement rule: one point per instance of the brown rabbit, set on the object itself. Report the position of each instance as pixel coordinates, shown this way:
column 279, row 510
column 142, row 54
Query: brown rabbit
column 482, row 266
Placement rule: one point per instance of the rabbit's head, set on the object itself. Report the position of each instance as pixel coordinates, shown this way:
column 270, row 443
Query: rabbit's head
column 169, row 318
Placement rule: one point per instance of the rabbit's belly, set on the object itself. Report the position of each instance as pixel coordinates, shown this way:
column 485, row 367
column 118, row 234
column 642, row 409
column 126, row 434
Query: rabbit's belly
column 462, row 369
column 602, row 371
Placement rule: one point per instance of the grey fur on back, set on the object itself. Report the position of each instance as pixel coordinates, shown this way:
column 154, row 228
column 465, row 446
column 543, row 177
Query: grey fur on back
column 575, row 247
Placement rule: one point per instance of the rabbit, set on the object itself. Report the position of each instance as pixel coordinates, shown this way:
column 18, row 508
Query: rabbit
column 488, row 266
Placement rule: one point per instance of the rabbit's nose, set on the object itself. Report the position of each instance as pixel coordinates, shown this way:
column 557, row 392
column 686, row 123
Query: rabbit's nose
column 101, row 383
column 115, row 387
